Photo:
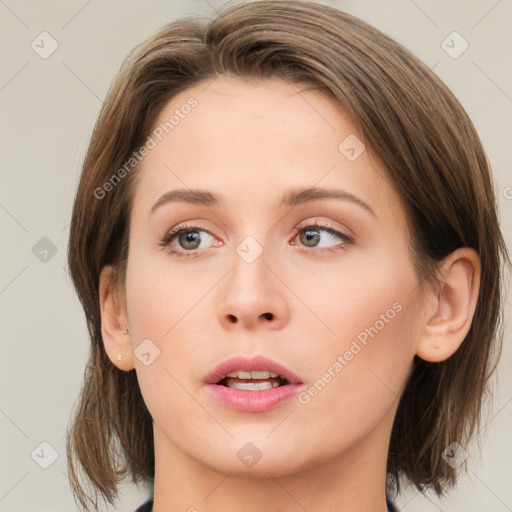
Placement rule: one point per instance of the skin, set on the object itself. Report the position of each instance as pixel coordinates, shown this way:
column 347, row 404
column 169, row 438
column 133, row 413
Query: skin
column 251, row 143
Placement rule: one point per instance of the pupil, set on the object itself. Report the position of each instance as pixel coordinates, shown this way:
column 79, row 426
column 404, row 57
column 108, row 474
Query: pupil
column 190, row 240
column 311, row 237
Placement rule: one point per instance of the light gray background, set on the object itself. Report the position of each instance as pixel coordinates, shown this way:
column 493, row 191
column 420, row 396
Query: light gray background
column 48, row 107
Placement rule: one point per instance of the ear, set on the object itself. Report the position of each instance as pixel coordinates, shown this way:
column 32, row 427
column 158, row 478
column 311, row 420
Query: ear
column 114, row 324
column 450, row 306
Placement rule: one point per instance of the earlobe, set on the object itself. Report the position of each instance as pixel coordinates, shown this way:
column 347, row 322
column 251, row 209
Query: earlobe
column 114, row 331
column 450, row 306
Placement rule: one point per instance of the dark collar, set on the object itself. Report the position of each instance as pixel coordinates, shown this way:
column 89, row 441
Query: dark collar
column 146, row 507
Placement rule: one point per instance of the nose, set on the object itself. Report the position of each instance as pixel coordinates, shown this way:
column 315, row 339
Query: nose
column 253, row 297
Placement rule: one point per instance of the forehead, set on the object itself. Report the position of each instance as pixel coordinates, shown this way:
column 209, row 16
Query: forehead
column 253, row 140
column 236, row 119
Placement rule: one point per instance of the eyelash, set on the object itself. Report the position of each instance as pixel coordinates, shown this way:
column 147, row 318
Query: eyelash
column 173, row 233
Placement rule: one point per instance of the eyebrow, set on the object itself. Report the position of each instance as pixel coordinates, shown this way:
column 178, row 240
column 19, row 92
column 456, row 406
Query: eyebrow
column 291, row 199
column 304, row 195
column 198, row 197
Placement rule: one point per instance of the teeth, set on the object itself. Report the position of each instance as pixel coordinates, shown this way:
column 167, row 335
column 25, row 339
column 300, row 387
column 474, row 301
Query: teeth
column 259, row 374
column 252, row 386
column 262, row 374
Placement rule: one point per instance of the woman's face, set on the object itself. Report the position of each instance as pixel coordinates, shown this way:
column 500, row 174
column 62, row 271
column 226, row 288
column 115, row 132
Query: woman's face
column 294, row 259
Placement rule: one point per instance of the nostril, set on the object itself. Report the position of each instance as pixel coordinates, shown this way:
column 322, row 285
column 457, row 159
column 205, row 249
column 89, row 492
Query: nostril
column 232, row 318
column 268, row 316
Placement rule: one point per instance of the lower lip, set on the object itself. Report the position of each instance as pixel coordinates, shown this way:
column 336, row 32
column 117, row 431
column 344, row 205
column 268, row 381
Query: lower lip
column 253, row 401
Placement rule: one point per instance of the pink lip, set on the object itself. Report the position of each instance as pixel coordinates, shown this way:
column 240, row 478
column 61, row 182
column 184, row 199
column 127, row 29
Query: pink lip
column 251, row 401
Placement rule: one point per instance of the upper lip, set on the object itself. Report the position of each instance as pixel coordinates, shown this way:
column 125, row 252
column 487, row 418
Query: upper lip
column 248, row 364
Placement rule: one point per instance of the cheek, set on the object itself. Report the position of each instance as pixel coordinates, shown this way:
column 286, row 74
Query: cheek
column 357, row 371
column 166, row 308
column 367, row 296
column 161, row 309
column 161, row 296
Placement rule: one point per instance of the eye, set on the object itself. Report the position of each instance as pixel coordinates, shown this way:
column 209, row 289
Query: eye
column 185, row 239
column 322, row 237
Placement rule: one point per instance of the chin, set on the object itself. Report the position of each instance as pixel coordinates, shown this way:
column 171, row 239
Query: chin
column 257, row 457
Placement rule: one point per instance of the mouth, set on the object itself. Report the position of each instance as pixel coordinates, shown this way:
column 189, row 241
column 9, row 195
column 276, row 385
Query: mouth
column 253, row 384
column 253, row 381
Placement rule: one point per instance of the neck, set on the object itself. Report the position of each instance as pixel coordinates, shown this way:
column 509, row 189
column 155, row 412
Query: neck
column 353, row 480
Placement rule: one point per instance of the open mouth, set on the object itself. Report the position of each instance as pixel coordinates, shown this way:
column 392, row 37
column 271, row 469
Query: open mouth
column 253, row 380
column 252, row 384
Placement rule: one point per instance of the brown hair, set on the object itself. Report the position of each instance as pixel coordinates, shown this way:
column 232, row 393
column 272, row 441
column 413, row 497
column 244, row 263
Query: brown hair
column 407, row 116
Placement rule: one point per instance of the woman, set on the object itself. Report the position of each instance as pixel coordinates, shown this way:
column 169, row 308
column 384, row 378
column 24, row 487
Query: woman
column 286, row 245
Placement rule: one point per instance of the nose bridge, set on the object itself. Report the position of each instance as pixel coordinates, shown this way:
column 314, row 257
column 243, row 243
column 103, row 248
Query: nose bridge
column 253, row 295
column 249, row 279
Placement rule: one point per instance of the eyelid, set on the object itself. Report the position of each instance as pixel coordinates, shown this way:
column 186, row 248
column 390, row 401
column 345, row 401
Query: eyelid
column 344, row 233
